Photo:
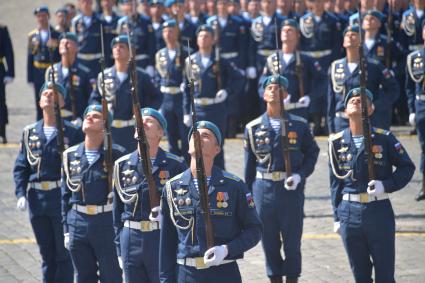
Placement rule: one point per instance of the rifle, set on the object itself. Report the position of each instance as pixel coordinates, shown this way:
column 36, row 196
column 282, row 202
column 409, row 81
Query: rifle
column 200, row 168
column 299, row 66
column 107, row 140
column 58, row 117
column 71, row 88
column 365, row 116
column 142, row 143
column 217, row 54
column 284, row 120
column 388, row 62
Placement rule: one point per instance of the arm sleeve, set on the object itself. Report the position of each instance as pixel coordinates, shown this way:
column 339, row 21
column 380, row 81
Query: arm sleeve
column 21, row 172
column 250, row 161
column 8, row 48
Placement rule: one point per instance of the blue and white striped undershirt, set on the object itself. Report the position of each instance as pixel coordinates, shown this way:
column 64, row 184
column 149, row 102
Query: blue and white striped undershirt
column 48, row 131
column 195, row 182
column 358, row 140
column 91, row 155
column 275, row 123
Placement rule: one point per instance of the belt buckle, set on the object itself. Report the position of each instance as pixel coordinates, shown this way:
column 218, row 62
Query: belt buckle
column 203, row 101
column 199, row 263
column 276, row 176
column 145, row 226
column 91, row 209
column 44, row 186
column 118, row 124
column 364, row 198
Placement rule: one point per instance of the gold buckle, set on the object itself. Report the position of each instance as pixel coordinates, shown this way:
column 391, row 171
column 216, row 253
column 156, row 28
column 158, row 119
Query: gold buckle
column 145, row 226
column 91, row 209
column 199, row 263
column 117, row 124
column 45, row 186
column 364, row 197
column 276, row 176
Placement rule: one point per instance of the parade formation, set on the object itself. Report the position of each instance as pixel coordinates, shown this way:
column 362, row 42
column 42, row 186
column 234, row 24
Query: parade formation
column 112, row 79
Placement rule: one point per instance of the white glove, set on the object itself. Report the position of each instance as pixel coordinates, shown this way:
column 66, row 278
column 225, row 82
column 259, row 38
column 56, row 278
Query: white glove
column 218, row 254
column 287, row 100
column 158, row 217
column 412, row 119
column 295, row 179
column 304, row 101
column 7, row 80
column 77, row 122
column 120, row 263
column 187, row 120
column 251, row 72
column 22, row 204
column 221, row 95
column 66, row 240
column 337, row 226
column 150, row 70
column 378, row 190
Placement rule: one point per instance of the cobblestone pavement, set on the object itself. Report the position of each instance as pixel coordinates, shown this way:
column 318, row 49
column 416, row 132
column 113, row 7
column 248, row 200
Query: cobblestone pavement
column 324, row 258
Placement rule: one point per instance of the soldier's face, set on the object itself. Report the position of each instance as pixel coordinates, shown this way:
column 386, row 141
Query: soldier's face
column 177, row 8
column 222, row 7
column 120, row 51
column 273, row 94
column 93, row 122
column 47, row 100
column 205, row 39
column 106, row 4
column 286, row 5
column 60, row 18
column 253, row 7
column 354, row 107
column 85, row 4
column 351, row 40
column 419, row 3
column 153, row 129
column 289, row 35
column 371, row 23
column 233, row 8
column 67, row 46
column 268, row 6
column 193, row 5
column 209, row 144
column 155, row 10
column 42, row 18
column 169, row 34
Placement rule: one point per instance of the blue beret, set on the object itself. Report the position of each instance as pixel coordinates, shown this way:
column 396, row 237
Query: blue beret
column 97, row 108
column 69, row 35
column 290, row 22
column 374, row 13
column 124, row 1
column 170, row 23
column 168, row 3
column 356, row 92
column 204, row 28
column 207, row 125
column 156, row 2
column 119, row 39
column 276, row 79
column 353, row 28
column 62, row 10
column 41, row 9
column 155, row 114
column 58, row 87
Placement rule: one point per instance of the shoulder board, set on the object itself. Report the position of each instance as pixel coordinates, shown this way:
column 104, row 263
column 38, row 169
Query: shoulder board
column 336, row 136
column 175, row 177
column 118, row 147
column 83, row 67
column 122, row 158
column 173, row 156
column 254, row 122
column 297, row 118
column 231, row 176
column 71, row 149
column 32, row 32
column 381, row 131
column 30, row 126
column 70, row 125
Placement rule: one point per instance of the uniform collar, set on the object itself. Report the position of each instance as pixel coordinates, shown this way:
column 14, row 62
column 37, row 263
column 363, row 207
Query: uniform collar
column 160, row 159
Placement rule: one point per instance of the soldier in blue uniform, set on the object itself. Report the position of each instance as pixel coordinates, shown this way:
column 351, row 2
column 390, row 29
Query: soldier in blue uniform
column 184, row 257
column 61, row 23
column 279, row 204
column 109, row 21
column 87, row 204
column 38, row 58
column 194, row 13
column 320, row 40
column 412, row 25
column 362, row 210
column 288, row 63
column 86, row 26
column 157, row 17
column 118, row 93
column 344, row 75
column 74, row 76
column 141, row 33
column 136, row 231
column 170, row 68
column 415, row 91
column 37, row 177
column 7, row 73
column 210, row 97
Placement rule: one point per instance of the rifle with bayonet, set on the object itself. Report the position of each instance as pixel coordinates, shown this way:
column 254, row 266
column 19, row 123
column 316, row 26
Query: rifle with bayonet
column 217, row 53
column 107, row 140
column 200, row 169
column 388, row 62
column 71, row 86
column 284, row 120
column 365, row 116
column 142, row 142
column 58, row 117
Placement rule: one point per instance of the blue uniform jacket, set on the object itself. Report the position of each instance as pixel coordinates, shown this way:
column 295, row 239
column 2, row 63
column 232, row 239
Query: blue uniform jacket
column 128, row 175
column 237, row 225
column 88, row 36
column 412, row 27
column 38, row 57
column 90, row 179
column 6, row 54
column 38, row 159
column 263, row 148
column 415, row 83
column 345, row 157
column 341, row 81
column 206, row 82
column 83, row 82
column 118, row 94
